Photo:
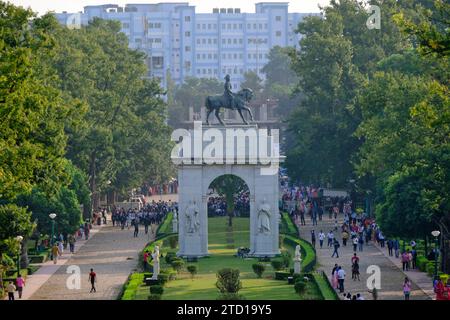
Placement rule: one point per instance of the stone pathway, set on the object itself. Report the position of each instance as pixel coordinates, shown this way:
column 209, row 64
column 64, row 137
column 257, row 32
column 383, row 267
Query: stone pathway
column 392, row 276
column 111, row 252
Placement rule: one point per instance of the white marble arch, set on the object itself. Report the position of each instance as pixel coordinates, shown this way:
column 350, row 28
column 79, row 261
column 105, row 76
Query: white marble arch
column 194, row 181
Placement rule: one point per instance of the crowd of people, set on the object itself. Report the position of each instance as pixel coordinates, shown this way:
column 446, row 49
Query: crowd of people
column 151, row 213
column 217, row 205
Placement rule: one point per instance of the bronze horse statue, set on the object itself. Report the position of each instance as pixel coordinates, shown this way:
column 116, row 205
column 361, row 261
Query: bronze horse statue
column 241, row 98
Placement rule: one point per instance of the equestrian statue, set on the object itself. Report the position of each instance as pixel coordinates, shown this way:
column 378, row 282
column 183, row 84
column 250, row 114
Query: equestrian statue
column 229, row 100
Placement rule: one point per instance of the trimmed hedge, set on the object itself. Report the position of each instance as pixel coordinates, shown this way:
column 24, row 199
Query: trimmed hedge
column 325, row 288
column 166, row 226
column 422, row 263
column 134, row 281
column 282, row 275
column 307, row 250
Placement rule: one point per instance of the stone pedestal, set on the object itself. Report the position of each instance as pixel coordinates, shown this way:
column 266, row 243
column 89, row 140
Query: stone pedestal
column 297, row 266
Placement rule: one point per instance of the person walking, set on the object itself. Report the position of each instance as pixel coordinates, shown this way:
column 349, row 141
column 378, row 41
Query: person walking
column 146, row 255
column 55, row 253
column 405, row 261
column 136, row 228
column 355, row 243
column 321, row 238
column 20, row 283
column 396, row 248
column 355, row 271
column 330, row 237
column 390, row 245
column 313, row 238
column 334, row 278
column 341, row 278
column 414, row 258
column 93, row 280
column 336, row 246
column 360, row 242
column 11, row 288
column 345, row 236
column 72, row 241
column 60, row 248
column 407, row 288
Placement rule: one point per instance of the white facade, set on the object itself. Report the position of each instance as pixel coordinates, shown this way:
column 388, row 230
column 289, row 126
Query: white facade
column 189, row 44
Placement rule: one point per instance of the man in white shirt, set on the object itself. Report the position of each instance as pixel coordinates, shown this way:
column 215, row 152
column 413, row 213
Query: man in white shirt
column 341, row 278
column 330, row 236
column 321, row 238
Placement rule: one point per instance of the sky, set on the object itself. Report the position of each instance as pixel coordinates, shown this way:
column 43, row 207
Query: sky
column 202, row 6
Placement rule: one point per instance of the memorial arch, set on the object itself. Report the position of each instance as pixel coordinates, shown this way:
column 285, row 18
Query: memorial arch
column 195, row 177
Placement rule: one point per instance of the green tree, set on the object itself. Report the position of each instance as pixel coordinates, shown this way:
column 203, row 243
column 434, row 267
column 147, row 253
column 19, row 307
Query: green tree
column 252, row 81
column 229, row 186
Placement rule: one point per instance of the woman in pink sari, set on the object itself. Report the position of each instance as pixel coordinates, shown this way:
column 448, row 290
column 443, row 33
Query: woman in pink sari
column 334, row 277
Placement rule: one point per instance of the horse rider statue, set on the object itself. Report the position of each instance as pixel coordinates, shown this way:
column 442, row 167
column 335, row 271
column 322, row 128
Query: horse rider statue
column 229, row 100
column 228, row 94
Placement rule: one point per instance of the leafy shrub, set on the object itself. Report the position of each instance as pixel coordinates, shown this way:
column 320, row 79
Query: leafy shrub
column 430, row 268
column 169, row 257
column 444, row 277
column 300, row 286
column 156, row 289
column 163, row 278
column 192, row 268
column 259, row 269
column 422, row 263
column 277, row 264
column 228, row 280
column 154, row 297
column 286, row 258
column 281, row 275
column 173, row 242
column 177, row 264
column 230, row 296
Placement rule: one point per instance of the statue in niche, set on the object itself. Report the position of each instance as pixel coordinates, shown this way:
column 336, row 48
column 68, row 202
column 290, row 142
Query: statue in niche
column 192, row 218
column 264, row 217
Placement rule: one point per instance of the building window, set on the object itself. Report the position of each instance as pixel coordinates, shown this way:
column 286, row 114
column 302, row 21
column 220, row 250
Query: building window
column 198, row 71
column 234, row 26
column 198, row 56
column 209, row 26
column 240, row 25
column 278, row 18
column 209, row 40
column 187, row 33
column 240, row 41
column 203, row 56
column 229, row 26
column 198, row 26
column 249, row 26
column 223, row 26
column 203, row 41
column 223, row 41
column 187, row 18
column 234, row 41
column 215, row 55
column 198, row 41
column 209, row 56
column 125, row 25
column 215, row 41
column 260, row 26
column 278, row 33
column 229, row 41
column 187, row 48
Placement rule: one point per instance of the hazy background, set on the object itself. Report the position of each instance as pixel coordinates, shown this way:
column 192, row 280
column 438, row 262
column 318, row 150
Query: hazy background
column 202, row 6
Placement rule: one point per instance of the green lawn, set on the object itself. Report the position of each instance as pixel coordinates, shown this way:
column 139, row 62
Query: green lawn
column 222, row 247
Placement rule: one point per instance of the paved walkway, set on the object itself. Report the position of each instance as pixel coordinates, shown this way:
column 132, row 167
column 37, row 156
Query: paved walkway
column 111, row 252
column 392, row 276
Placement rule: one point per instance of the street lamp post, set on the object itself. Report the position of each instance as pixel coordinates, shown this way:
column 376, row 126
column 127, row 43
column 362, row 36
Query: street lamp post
column 52, row 216
column 435, row 234
column 19, row 239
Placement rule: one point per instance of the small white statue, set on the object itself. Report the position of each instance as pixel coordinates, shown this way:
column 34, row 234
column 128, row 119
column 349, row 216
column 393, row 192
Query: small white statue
column 175, row 222
column 155, row 256
column 298, row 254
column 297, row 260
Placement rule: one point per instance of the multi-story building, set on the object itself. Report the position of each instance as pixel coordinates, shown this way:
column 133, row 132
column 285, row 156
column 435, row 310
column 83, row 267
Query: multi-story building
column 178, row 40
